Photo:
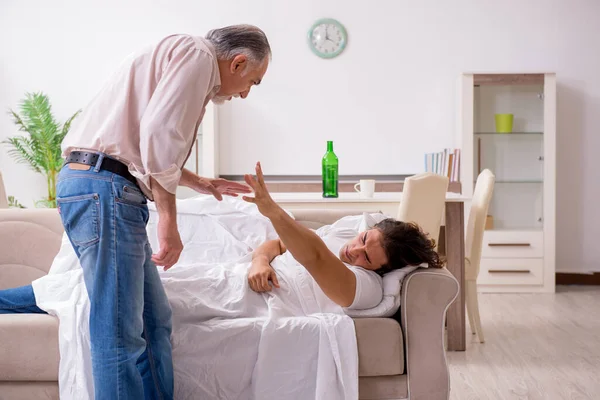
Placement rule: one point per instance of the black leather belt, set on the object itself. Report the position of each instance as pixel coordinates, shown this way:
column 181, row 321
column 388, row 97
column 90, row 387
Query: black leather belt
column 108, row 164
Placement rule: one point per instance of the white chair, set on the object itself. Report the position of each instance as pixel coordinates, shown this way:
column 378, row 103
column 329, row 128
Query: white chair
column 3, row 198
column 482, row 197
column 424, row 202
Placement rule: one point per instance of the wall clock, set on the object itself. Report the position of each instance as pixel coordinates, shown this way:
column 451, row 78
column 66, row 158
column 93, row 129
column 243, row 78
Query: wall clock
column 327, row 38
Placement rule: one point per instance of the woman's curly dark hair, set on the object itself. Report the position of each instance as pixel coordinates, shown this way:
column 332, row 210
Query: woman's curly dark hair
column 404, row 244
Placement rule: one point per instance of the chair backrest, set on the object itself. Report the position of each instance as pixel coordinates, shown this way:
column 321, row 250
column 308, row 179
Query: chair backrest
column 484, row 188
column 423, row 201
column 3, row 198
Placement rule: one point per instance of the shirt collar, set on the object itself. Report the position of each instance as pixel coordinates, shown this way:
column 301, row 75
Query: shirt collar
column 211, row 49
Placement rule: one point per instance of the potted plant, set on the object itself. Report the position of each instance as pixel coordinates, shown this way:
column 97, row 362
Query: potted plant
column 14, row 203
column 41, row 147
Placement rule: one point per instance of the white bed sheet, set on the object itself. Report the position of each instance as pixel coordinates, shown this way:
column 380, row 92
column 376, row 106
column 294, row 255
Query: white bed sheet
column 228, row 341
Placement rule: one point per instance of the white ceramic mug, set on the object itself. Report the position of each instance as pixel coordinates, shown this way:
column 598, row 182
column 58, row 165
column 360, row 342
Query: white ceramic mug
column 367, row 187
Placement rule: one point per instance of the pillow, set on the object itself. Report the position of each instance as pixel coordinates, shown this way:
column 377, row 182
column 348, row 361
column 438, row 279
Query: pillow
column 369, row 220
column 392, row 281
column 359, row 223
column 390, row 302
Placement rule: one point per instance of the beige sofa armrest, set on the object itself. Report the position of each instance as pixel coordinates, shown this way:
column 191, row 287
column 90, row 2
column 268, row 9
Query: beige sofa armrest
column 426, row 295
column 30, row 240
column 3, row 196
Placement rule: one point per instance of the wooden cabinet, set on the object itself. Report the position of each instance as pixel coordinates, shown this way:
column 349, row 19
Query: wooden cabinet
column 507, row 123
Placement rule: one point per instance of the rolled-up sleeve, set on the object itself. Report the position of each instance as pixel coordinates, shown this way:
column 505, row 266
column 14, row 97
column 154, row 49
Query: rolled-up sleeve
column 167, row 127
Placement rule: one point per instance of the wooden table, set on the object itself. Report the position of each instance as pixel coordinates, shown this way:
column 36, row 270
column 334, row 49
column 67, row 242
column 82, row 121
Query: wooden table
column 455, row 256
column 387, row 203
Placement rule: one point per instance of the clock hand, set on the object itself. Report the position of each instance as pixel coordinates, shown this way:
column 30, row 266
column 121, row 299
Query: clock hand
column 332, row 41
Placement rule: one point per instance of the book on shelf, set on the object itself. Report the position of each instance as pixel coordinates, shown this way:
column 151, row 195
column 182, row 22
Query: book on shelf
column 446, row 163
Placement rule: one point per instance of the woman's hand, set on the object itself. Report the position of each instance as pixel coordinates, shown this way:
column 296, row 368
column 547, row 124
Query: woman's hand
column 266, row 205
column 260, row 274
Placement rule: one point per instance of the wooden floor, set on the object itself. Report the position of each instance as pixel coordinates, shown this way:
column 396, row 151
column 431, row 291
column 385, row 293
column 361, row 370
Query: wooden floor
column 536, row 347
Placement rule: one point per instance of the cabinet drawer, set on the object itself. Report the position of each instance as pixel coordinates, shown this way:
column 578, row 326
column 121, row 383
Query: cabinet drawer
column 513, row 244
column 507, row 271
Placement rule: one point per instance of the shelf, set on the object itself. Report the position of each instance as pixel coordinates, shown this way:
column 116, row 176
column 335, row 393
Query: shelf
column 517, row 229
column 522, row 208
column 508, row 79
column 510, row 133
column 521, row 182
column 515, row 181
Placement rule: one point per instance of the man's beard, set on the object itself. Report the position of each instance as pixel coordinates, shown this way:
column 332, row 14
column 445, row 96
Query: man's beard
column 220, row 99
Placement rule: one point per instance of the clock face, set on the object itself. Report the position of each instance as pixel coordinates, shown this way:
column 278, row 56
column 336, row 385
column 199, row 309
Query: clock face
column 327, row 38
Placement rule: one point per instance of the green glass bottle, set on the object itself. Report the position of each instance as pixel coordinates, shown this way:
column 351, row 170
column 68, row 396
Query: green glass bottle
column 330, row 172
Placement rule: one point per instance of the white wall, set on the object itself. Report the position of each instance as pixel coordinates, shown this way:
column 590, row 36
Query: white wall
column 385, row 101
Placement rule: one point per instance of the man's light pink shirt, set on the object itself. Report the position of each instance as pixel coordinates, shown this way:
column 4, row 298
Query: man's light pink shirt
column 148, row 113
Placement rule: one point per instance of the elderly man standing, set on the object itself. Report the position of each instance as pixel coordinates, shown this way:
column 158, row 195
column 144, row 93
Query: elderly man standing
column 130, row 145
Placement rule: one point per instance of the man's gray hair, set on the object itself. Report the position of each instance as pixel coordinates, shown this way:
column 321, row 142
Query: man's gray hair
column 232, row 40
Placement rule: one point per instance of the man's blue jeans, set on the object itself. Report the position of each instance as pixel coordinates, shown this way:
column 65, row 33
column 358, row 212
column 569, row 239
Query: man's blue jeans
column 105, row 217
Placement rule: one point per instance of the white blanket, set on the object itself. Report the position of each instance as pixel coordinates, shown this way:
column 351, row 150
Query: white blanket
column 228, row 341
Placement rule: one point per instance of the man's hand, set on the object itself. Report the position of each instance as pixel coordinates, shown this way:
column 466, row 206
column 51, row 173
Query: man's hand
column 260, row 274
column 266, row 205
column 169, row 242
column 219, row 187
column 216, row 187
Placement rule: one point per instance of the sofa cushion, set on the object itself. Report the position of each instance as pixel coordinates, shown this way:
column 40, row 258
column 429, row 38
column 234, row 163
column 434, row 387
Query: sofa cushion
column 29, row 390
column 28, row 347
column 383, row 387
column 380, row 347
column 29, row 350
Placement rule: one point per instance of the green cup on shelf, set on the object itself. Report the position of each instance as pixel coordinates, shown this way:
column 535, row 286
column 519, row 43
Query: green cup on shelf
column 504, row 123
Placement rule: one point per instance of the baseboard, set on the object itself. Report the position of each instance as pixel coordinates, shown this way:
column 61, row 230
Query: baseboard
column 563, row 278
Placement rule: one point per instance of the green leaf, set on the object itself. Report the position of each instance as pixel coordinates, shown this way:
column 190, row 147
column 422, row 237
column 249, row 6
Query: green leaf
column 45, row 203
column 14, row 203
column 23, row 152
column 41, row 147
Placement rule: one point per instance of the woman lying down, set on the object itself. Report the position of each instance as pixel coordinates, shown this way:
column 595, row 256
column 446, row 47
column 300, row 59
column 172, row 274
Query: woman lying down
column 291, row 340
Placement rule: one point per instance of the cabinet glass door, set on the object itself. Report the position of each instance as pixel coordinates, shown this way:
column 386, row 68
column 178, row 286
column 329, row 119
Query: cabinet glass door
column 515, row 157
